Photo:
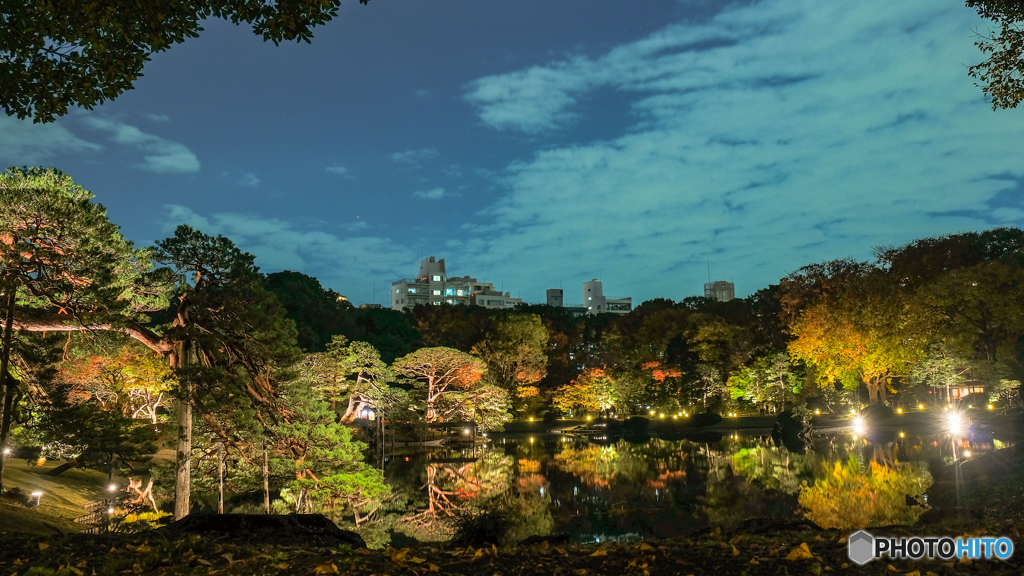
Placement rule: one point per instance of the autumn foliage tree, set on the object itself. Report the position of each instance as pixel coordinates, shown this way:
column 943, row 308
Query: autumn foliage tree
column 594, row 390
column 514, row 352
column 863, row 330
column 450, row 380
column 124, row 377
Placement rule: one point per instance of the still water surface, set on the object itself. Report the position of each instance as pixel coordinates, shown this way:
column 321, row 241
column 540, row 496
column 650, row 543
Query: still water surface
column 615, row 489
column 609, row 488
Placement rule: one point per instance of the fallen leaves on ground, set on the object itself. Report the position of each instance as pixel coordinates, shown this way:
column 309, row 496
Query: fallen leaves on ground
column 717, row 553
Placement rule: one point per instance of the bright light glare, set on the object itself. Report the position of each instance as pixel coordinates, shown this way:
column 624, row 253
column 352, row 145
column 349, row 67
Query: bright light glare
column 989, row 406
column 588, row 418
column 112, row 487
column 465, row 431
column 920, row 406
column 967, row 453
column 858, row 425
column 955, row 423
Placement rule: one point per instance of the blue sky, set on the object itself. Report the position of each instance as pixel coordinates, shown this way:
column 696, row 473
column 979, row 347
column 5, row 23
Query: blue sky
column 541, row 143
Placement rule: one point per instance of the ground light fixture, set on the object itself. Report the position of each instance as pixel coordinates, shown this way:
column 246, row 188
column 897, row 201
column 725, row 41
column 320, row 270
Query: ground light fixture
column 990, row 407
column 920, row 406
column 588, row 418
column 37, row 495
column 899, row 410
column 661, row 415
column 817, row 412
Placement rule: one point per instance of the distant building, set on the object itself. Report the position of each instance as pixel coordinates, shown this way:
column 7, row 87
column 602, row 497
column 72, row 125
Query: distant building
column 368, row 306
column 433, row 286
column 595, row 301
column 720, row 290
column 555, row 297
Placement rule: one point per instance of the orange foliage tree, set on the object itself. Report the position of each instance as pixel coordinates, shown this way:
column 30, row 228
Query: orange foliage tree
column 593, row 390
column 129, row 380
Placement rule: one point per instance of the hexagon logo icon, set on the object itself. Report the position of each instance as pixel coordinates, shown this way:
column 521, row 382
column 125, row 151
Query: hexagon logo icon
column 861, row 547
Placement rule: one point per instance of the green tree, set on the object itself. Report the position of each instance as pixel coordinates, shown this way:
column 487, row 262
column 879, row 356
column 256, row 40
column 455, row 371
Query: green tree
column 110, row 439
column 61, row 260
column 318, row 314
column 316, row 456
column 1001, row 76
column 228, row 336
column 514, row 352
column 770, row 380
column 70, row 52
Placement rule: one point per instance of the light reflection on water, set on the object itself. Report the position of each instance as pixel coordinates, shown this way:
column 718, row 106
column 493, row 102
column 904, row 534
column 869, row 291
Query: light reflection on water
column 615, row 489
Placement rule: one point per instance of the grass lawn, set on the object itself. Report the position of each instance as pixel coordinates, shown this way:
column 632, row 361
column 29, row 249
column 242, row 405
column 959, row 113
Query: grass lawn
column 64, row 497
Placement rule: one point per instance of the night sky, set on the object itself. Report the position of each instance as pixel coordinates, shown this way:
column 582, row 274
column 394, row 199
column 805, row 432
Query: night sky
column 541, row 143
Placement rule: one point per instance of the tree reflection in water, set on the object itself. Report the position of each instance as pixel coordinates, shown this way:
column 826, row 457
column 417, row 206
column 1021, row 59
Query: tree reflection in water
column 656, row 487
column 853, row 496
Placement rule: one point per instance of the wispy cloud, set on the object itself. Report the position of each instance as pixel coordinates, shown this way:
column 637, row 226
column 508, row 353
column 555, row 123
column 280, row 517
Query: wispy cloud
column 248, row 179
column 434, row 194
column 774, row 135
column 23, row 143
column 349, row 265
column 160, row 155
column 415, row 157
column 158, row 117
column 340, row 171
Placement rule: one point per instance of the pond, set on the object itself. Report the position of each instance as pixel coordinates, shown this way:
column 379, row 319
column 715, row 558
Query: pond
column 600, row 489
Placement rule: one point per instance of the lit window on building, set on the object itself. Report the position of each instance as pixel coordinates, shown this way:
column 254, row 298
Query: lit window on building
column 437, row 278
column 437, row 292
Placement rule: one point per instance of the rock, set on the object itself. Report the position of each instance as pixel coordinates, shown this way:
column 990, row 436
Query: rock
column 636, row 424
column 16, row 496
column 705, row 419
column 876, row 413
column 554, row 539
column 291, row 530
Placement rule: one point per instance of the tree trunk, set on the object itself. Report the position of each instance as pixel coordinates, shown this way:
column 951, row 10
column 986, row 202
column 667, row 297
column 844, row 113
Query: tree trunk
column 220, row 477
column 6, row 381
column 876, row 389
column 62, row 468
column 183, row 449
column 266, row 477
